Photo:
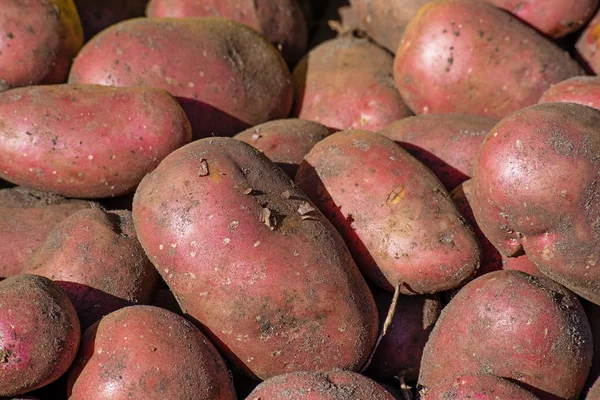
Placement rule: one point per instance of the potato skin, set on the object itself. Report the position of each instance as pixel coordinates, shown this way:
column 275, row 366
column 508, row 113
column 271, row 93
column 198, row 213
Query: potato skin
column 27, row 217
column 95, row 257
column 587, row 44
column 536, row 191
column 280, row 21
column 348, row 83
column 87, row 141
column 294, row 301
column 584, row 90
column 39, row 40
column 332, row 385
column 285, row 141
column 97, row 15
column 446, row 143
column 144, row 352
column 512, row 325
column 396, row 217
column 226, row 76
column 39, row 333
column 460, row 56
column 480, row 387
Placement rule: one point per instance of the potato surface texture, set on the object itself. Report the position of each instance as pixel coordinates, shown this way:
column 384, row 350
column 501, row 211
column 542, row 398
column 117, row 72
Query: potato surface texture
column 249, row 257
column 584, row 90
column 480, row 387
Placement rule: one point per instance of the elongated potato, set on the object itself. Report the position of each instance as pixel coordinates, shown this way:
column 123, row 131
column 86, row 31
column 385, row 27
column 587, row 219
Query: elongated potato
column 249, row 257
column 226, row 76
column 470, row 57
column 38, row 40
column 396, row 217
column 87, row 141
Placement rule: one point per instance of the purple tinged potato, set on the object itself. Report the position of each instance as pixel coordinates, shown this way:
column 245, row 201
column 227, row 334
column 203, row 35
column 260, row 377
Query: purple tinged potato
column 536, row 192
column 226, row 76
column 39, row 333
column 249, row 257
column 479, row 387
column 87, row 141
column 583, row 90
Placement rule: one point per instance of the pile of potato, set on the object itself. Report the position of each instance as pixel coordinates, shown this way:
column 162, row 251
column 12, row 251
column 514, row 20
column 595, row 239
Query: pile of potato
column 300, row 199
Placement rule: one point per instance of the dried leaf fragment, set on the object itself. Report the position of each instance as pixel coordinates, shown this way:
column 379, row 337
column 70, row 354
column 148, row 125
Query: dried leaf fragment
column 266, row 217
column 395, row 196
column 305, row 208
column 203, row 170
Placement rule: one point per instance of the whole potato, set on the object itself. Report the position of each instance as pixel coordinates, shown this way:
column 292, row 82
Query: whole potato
column 463, row 56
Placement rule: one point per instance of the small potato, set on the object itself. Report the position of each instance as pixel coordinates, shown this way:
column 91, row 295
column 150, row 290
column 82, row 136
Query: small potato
column 463, row 56
column 226, row 76
column 97, row 15
column 27, row 217
column 333, row 385
column 512, row 325
column 38, row 40
column 583, row 90
column 87, row 141
column 286, row 141
column 95, row 257
column 446, row 143
column 147, row 353
column 280, row 21
column 39, row 333
column 396, row 217
column 480, row 387
column 348, row 83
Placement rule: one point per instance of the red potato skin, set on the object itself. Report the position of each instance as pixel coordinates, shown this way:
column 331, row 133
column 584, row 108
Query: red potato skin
column 521, row 263
column 461, row 56
column 282, row 22
column 226, row 76
column 401, row 226
column 512, row 325
column 347, row 83
column 587, row 44
column 38, row 41
column 584, row 90
column 87, row 141
column 147, row 353
column 446, row 143
column 480, row 387
column 27, row 217
column 39, row 333
column 95, row 257
column 535, row 192
column 294, row 301
column 332, row 385
column 97, row 15
column 286, row 141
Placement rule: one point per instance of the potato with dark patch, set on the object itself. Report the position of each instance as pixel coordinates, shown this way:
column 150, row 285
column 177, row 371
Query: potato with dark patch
column 87, row 141
column 39, row 333
column 226, row 76
column 97, row 15
column 536, row 192
column 480, row 387
column 348, row 83
column 280, row 21
column 396, row 217
column 462, row 56
column 446, row 143
column 285, row 141
column 27, row 217
column 583, row 90
column 332, row 385
column 147, row 353
column 249, row 257
column 512, row 325
column 95, row 257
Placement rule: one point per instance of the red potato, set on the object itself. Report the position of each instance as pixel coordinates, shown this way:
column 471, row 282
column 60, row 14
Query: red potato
column 249, row 257
column 587, row 44
column 462, row 56
column 226, row 76
column 333, row 385
column 147, row 353
column 87, row 141
column 583, row 90
column 38, row 41
column 512, row 325
column 97, row 15
column 536, row 192
column 95, row 257
column 280, row 21
column 396, row 217
column 286, row 141
column 39, row 333
column 521, row 263
column 480, row 387
column 348, row 83
column 27, row 217
column 446, row 143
